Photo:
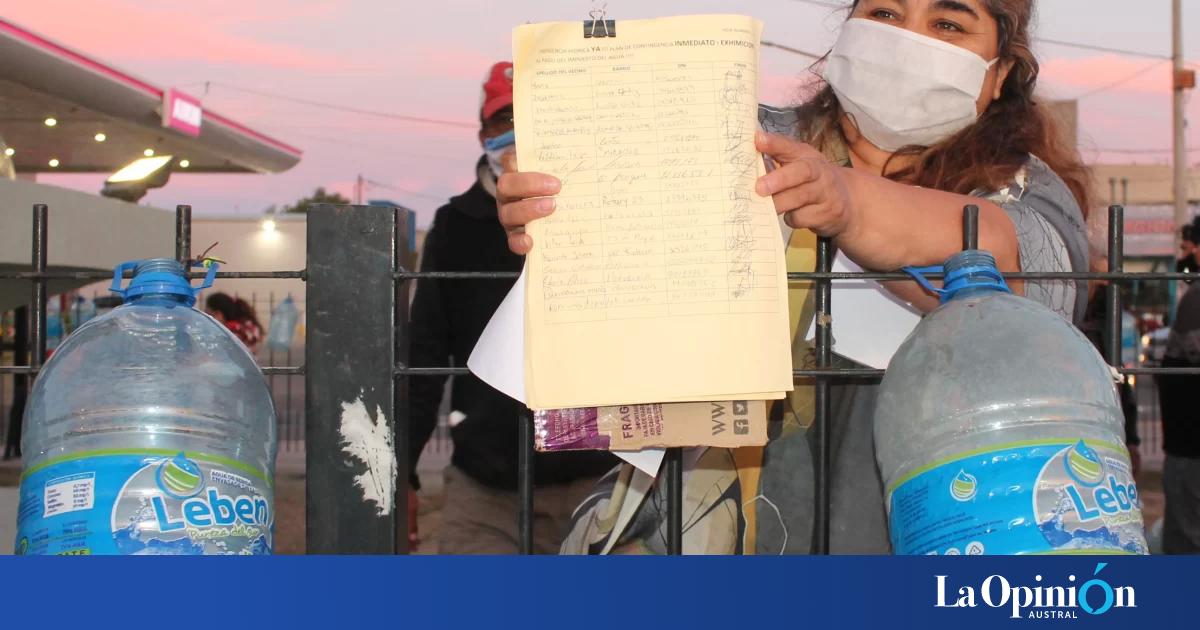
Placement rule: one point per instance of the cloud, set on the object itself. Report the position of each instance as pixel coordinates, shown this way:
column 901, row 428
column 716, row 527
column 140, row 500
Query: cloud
column 175, row 33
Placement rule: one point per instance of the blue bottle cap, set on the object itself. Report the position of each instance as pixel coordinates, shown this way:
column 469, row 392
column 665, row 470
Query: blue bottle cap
column 159, row 276
column 969, row 270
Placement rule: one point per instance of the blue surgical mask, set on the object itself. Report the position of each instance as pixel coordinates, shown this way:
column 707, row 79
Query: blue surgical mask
column 496, row 147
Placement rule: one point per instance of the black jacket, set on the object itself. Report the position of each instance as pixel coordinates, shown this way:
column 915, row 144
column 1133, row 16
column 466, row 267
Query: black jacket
column 1177, row 393
column 447, row 318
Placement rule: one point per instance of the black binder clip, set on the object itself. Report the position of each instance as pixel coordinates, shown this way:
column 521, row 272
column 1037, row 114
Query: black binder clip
column 598, row 26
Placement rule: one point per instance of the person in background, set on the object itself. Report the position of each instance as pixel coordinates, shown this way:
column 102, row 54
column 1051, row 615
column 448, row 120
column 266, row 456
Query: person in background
column 481, row 505
column 238, row 316
column 1187, row 248
column 1181, row 431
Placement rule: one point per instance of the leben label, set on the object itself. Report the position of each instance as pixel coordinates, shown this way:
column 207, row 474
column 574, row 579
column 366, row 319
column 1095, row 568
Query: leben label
column 1048, row 497
column 145, row 503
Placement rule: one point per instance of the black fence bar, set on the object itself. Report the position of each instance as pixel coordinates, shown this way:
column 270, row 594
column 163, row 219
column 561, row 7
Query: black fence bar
column 793, row 277
column 821, row 404
column 1116, row 262
column 673, row 463
column 804, row 373
column 107, row 275
column 971, row 227
column 282, row 370
column 400, row 345
column 856, row 373
column 349, row 361
column 37, row 329
column 525, row 449
column 183, row 234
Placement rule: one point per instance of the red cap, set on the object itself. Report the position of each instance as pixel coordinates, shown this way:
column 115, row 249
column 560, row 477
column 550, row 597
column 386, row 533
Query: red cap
column 497, row 89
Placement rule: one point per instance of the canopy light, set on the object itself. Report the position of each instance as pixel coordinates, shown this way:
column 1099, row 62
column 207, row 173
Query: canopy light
column 53, row 163
column 135, row 180
column 101, row 137
column 268, row 225
column 148, row 153
column 184, row 163
column 9, row 151
column 50, row 122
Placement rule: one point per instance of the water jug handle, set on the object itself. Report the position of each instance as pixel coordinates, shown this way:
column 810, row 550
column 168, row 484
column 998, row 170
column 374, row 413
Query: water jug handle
column 211, row 265
column 118, row 274
column 918, row 274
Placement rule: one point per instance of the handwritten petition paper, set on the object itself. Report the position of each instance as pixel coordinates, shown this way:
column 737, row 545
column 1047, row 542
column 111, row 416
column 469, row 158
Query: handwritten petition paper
column 661, row 276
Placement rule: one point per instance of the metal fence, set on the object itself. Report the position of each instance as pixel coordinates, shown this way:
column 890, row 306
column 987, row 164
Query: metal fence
column 358, row 273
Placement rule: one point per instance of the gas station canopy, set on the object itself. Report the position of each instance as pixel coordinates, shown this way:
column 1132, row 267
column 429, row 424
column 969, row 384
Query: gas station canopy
column 61, row 111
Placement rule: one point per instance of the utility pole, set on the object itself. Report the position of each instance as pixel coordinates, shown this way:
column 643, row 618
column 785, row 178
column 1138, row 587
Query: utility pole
column 358, row 191
column 1183, row 79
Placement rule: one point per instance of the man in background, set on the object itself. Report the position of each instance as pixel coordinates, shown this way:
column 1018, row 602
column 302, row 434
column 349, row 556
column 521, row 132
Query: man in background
column 1187, row 248
column 1181, row 430
column 448, row 316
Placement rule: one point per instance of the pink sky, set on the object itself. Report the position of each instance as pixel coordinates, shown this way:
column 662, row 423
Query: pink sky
column 427, row 59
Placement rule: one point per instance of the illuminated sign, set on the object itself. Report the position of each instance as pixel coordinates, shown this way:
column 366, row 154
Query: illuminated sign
column 181, row 113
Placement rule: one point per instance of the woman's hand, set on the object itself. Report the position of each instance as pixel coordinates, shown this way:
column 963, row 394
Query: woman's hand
column 809, row 190
column 523, row 197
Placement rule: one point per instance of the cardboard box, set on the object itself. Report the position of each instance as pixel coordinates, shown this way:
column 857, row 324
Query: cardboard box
column 726, row 424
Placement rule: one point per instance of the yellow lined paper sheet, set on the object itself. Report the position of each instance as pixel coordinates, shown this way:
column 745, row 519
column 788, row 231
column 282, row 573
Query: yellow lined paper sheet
column 660, row 277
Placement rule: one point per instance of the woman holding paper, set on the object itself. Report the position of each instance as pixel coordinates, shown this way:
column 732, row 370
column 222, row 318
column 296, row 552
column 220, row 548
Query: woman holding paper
column 927, row 106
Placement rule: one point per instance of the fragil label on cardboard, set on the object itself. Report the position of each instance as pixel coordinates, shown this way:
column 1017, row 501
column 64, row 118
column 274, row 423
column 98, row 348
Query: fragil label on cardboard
column 725, row 424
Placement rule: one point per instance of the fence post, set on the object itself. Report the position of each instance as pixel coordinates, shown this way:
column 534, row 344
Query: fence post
column 403, row 259
column 350, row 358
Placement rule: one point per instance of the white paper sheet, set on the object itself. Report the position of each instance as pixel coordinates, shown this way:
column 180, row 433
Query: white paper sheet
column 499, row 360
column 869, row 322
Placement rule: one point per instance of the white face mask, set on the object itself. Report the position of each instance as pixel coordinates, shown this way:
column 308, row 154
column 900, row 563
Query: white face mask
column 902, row 88
column 495, row 148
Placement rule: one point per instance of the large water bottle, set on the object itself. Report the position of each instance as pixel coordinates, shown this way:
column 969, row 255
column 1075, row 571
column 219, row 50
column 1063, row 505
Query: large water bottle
column 150, row 431
column 998, row 430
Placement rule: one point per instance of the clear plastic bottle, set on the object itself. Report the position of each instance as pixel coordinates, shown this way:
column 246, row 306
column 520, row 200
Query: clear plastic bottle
column 149, row 431
column 55, row 330
column 998, row 430
column 283, row 325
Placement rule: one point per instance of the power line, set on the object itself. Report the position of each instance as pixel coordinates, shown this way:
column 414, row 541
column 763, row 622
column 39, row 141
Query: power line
column 352, row 110
column 1141, row 151
column 405, row 190
column 791, row 50
column 1107, row 49
column 367, row 145
column 1121, row 81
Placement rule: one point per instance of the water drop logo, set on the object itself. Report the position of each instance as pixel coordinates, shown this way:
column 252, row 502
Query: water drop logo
column 964, row 486
column 179, row 477
column 1084, row 466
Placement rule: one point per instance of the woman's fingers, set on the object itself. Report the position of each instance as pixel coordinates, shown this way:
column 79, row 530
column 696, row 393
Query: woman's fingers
column 515, row 215
column 784, row 149
column 524, row 197
column 518, row 186
column 788, row 176
column 519, row 242
column 508, row 161
column 819, row 218
column 796, row 198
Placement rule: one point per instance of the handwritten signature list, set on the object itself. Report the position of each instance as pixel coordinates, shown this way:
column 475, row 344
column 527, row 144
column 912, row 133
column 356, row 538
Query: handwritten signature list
column 657, row 216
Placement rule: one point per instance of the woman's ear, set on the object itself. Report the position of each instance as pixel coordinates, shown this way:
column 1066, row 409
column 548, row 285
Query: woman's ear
column 1003, row 67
